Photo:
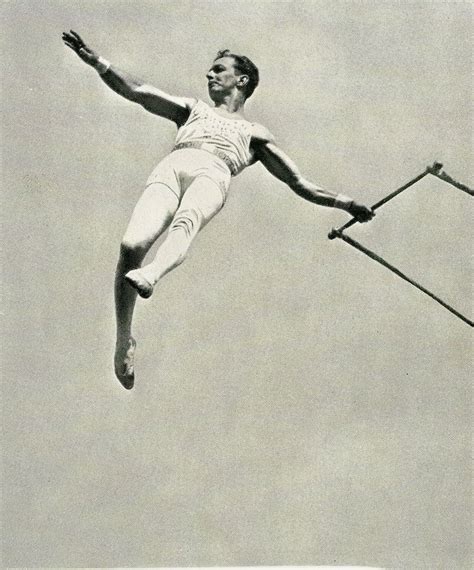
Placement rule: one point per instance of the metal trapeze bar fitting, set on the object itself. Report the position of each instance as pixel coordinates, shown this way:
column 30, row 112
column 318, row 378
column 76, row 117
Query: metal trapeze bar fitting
column 435, row 168
column 334, row 233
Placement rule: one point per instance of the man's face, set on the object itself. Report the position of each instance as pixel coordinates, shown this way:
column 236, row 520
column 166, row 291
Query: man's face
column 222, row 77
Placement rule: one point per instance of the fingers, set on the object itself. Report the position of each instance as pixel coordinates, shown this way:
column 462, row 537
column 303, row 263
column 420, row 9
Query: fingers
column 73, row 40
column 70, row 46
column 78, row 38
column 366, row 216
column 69, row 37
column 361, row 213
column 70, row 41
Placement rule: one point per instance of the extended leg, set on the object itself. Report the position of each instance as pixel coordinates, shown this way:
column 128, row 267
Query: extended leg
column 151, row 216
column 201, row 202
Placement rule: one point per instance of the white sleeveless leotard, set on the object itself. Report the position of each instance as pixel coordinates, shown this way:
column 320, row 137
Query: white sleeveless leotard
column 229, row 139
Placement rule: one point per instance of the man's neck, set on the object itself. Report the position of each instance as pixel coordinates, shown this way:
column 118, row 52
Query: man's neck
column 232, row 103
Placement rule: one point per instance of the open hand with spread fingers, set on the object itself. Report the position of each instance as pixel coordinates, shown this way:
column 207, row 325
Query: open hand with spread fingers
column 77, row 44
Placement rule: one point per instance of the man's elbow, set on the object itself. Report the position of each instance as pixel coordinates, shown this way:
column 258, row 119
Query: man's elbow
column 304, row 189
column 139, row 93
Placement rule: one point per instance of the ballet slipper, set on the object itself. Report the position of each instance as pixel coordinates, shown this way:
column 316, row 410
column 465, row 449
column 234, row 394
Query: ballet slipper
column 139, row 282
column 124, row 365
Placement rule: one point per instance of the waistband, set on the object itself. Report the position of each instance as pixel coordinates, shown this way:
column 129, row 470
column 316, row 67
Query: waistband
column 209, row 148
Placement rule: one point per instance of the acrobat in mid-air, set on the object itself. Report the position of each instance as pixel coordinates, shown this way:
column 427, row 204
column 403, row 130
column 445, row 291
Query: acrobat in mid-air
column 190, row 185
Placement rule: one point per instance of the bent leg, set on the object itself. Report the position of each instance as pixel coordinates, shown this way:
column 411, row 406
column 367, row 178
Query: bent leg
column 151, row 216
column 201, row 202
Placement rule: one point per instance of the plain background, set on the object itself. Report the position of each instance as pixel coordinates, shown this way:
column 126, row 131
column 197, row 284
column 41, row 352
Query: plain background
column 295, row 402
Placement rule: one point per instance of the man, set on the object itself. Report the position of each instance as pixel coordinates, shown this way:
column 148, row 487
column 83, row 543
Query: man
column 190, row 185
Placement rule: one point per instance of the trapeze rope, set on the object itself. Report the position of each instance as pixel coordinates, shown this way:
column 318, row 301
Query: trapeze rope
column 435, row 170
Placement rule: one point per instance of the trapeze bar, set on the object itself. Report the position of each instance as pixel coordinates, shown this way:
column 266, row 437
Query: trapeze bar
column 435, row 170
column 429, row 170
column 382, row 261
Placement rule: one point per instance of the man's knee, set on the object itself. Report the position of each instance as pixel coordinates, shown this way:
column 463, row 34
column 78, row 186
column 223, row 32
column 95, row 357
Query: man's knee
column 134, row 249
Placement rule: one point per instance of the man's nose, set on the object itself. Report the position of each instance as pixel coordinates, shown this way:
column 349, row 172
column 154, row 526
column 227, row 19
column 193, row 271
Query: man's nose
column 209, row 76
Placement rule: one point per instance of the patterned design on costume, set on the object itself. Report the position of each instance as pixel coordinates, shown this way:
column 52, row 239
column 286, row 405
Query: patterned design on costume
column 229, row 139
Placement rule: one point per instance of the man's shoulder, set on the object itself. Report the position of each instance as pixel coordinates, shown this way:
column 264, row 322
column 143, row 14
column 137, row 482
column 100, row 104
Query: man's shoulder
column 261, row 135
column 190, row 102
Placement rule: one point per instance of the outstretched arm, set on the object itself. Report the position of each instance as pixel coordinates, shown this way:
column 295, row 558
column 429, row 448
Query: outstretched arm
column 283, row 168
column 152, row 99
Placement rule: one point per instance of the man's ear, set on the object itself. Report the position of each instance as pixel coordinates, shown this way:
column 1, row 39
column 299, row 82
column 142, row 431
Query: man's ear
column 243, row 80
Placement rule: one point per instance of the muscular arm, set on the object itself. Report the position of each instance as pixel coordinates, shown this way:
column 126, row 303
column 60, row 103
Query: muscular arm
column 282, row 167
column 150, row 98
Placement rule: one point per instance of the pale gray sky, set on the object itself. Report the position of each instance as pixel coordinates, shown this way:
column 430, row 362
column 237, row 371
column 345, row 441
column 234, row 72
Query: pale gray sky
column 295, row 402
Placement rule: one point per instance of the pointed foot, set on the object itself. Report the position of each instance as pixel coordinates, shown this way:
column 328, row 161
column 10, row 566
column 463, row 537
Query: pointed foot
column 124, row 364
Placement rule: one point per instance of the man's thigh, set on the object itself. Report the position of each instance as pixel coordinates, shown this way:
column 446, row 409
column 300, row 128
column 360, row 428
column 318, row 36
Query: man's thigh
column 202, row 200
column 152, row 214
